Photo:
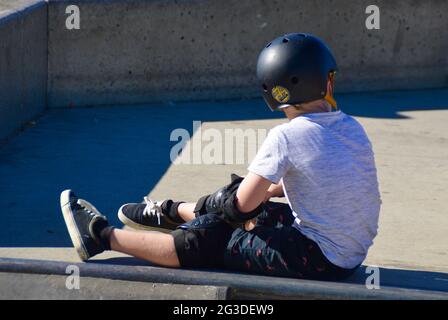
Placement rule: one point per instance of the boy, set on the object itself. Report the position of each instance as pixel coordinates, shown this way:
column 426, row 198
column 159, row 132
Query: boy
column 321, row 161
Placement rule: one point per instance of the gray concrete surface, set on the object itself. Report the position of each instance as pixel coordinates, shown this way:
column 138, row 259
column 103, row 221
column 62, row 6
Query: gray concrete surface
column 118, row 154
column 53, row 287
column 23, row 63
column 147, row 51
column 63, row 254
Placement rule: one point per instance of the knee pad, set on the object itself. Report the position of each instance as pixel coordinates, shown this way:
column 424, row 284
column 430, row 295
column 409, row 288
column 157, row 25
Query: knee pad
column 223, row 203
column 202, row 241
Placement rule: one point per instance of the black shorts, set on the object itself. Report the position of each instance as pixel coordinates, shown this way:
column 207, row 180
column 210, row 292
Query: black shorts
column 272, row 248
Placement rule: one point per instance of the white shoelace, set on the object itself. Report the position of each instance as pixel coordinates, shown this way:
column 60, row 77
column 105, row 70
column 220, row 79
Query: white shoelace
column 85, row 205
column 152, row 208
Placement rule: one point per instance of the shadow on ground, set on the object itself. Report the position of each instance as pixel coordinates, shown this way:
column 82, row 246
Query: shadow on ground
column 108, row 155
column 112, row 155
column 409, row 279
column 390, row 104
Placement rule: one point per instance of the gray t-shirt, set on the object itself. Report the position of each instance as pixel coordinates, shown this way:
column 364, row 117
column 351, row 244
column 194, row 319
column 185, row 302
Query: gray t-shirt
column 329, row 178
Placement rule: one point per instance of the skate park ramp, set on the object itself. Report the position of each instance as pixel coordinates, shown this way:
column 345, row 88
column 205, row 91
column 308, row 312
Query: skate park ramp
column 94, row 109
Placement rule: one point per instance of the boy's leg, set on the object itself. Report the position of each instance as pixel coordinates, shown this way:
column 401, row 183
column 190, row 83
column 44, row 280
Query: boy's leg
column 167, row 215
column 198, row 243
column 276, row 214
column 260, row 250
column 91, row 234
column 186, row 211
column 269, row 245
column 207, row 241
column 282, row 252
column 201, row 242
column 128, row 242
column 150, row 215
column 155, row 247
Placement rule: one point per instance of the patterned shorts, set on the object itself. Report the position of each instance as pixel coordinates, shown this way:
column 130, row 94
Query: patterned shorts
column 272, row 248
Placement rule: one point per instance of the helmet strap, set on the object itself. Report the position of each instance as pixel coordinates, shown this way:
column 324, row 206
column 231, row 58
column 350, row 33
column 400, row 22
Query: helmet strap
column 329, row 97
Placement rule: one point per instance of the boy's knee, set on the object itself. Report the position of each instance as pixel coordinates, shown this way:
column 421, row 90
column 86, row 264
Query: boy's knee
column 202, row 242
column 223, row 203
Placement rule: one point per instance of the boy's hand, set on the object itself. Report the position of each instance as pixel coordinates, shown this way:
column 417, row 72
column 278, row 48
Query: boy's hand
column 250, row 224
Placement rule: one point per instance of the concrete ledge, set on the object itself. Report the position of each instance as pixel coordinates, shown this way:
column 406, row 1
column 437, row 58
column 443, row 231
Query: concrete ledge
column 242, row 286
column 22, row 286
column 23, row 63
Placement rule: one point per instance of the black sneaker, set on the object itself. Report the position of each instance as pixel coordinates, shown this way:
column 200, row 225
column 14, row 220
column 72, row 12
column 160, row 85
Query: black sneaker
column 80, row 216
column 146, row 216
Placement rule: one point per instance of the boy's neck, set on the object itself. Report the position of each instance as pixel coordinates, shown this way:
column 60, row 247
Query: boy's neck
column 311, row 107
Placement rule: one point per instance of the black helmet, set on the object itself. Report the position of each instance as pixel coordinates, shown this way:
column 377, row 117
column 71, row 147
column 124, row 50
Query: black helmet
column 294, row 69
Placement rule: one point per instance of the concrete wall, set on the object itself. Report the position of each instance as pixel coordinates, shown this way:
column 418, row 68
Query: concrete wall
column 136, row 51
column 143, row 51
column 23, row 62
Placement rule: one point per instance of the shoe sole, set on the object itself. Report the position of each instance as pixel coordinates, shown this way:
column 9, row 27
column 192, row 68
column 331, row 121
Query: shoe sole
column 128, row 222
column 73, row 230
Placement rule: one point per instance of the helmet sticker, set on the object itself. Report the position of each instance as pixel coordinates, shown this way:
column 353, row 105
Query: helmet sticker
column 280, row 94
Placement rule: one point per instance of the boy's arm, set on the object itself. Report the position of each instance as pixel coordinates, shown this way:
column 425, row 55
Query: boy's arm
column 275, row 190
column 251, row 192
